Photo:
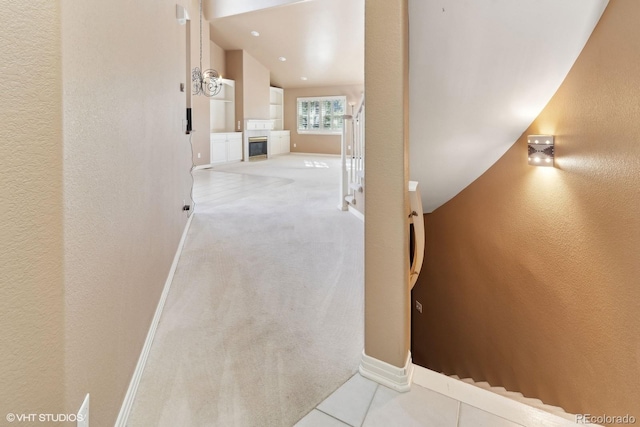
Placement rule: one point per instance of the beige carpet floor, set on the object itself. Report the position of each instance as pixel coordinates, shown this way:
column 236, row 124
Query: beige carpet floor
column 265, row 315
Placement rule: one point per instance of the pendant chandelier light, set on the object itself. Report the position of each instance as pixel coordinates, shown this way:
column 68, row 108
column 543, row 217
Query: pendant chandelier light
column 205, row 82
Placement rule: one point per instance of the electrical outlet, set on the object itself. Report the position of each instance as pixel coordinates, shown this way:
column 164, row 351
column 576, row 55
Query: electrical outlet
column 198, row 155
column 238, row 124
column 418, row 306
column 83, row 413
column 294, row 145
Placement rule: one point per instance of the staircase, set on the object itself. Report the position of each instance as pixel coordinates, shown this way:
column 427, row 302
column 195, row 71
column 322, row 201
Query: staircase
column 511, row 406
column 518, row 397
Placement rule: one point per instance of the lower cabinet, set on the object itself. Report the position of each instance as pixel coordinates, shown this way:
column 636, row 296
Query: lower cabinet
column 226, row 147
column 279, row 142
column 234, row 147
column 218, row 150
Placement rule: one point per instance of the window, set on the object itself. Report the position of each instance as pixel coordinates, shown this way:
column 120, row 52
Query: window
column 321, row 115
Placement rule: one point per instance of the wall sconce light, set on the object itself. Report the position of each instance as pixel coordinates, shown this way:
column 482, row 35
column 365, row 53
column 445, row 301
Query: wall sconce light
column 541, row 150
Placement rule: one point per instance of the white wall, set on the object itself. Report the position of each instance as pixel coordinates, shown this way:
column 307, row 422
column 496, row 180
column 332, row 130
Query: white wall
column 126, row 174
column 93, row 173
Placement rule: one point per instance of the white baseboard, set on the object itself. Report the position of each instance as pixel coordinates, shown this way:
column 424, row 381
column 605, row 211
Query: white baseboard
column 197, row 168
column 125, row 410
column 299, row 153
column 488, row 401
column 388, row 375
column 356, row 212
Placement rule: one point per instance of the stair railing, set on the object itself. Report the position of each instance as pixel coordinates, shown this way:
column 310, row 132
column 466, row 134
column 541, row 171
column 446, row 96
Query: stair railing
column 353, row 156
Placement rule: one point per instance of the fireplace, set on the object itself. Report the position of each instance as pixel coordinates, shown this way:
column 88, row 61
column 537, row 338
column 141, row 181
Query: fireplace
column 257, row 147
column 256, row 139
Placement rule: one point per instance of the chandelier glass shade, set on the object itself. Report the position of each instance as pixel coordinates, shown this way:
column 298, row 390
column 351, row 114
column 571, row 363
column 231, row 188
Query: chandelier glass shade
column 207, row 82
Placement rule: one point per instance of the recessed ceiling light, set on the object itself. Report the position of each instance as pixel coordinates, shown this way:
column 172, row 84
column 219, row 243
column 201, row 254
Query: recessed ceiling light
column 303, row 78
column 255, row 33
column 282, row 59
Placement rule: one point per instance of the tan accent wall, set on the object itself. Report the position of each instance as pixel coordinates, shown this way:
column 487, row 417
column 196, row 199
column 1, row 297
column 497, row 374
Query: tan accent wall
column 234, row 61
column 126, row 174
column 321, row 144
column 532, row 278
column 31, row 275
column 386, row 229
column 217, row 56
column 252, row 86
column 256, row 88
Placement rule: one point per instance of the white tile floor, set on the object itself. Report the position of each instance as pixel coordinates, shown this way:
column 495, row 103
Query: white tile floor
column 362, row 402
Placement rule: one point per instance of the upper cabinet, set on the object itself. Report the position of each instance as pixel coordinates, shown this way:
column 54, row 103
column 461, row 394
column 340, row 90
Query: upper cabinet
column 223, row 112
column 276, row 107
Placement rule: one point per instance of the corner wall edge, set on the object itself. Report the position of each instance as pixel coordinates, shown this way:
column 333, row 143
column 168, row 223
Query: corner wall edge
column 398, row 379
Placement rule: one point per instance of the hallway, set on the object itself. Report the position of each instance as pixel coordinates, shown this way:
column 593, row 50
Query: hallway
column 264, row 318
column 263, row 325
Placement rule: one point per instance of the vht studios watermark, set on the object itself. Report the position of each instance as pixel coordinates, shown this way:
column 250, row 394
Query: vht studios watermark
column 44, row 418
column 605, row 419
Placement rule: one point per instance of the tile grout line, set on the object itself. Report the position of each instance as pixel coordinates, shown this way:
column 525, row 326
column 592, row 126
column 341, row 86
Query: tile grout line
column 317, row 407
column 370, row 402
column 342, row 421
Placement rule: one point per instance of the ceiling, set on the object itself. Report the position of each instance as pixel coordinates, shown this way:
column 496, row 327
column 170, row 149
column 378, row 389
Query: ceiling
column 322, row 40
column 480, row 72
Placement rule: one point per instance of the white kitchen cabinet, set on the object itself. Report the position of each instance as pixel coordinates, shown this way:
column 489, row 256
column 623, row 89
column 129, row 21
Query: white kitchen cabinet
column 226, row 147
column 279, row 142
